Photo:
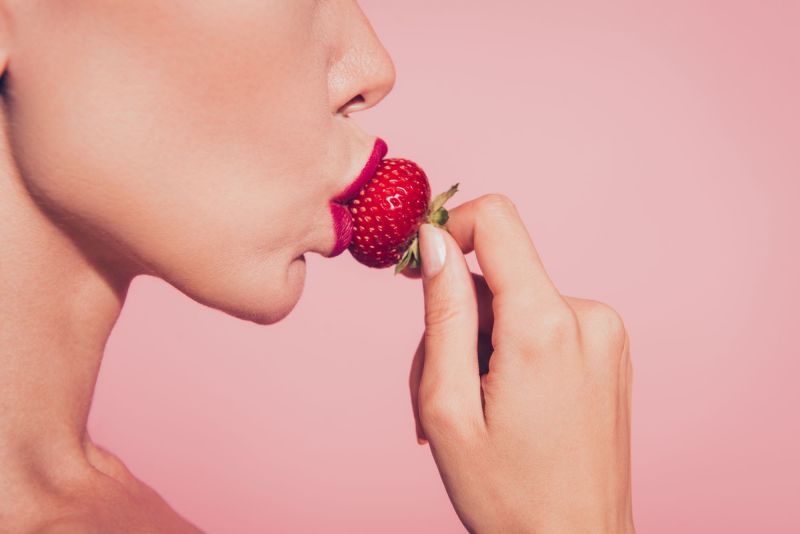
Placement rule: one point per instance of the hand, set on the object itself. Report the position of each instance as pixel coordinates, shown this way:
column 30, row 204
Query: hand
column 540, row 443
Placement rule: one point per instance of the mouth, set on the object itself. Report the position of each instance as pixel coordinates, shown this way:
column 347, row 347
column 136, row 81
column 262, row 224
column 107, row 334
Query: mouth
column 342, row 219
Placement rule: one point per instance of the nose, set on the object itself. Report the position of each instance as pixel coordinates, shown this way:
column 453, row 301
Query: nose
column 361, row 73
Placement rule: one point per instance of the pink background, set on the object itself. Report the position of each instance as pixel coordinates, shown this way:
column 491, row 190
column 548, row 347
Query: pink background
column 653, row 152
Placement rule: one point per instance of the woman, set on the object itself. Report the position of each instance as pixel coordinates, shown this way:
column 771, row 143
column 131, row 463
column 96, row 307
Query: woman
column 202, row 142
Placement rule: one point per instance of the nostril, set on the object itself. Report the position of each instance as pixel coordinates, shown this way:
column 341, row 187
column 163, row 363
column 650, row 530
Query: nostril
column 352, row 105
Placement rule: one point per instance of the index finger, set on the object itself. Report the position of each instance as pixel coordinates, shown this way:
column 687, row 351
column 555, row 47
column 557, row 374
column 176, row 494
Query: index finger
column 491, row 226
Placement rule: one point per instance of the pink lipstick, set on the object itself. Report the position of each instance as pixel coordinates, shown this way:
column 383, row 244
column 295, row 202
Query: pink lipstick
column 342, row 219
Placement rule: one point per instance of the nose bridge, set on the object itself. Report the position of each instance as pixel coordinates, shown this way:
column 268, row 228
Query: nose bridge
column 362, row 72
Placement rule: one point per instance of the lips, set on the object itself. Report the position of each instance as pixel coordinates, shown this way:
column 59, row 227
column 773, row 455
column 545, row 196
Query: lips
column 342, row 220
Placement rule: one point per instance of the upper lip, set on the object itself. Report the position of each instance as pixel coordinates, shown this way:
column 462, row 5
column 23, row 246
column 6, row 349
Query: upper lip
column 379, row 150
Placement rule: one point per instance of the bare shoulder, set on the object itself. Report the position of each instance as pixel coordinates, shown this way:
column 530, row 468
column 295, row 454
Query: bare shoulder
column 71, row 525
column 161, row 523
column 114, row 509
column 105, row 498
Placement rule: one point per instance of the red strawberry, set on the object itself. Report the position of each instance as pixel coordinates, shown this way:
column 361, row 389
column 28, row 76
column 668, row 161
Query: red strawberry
column 389, row 210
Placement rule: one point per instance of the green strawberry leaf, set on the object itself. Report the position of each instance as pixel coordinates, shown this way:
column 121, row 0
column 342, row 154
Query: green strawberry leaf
column 411, row 256
column 416, row 259
column 404, row 261
column 441, row 198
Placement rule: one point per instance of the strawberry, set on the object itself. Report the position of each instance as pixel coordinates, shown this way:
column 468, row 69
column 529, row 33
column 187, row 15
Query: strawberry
column 388, row 212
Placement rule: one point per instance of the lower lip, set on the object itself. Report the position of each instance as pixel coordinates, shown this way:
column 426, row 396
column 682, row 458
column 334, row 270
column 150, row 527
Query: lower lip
column 343, row 227
column 342, row 220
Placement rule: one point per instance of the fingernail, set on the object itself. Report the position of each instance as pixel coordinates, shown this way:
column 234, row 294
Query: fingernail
column 432, row 249
column 422, row 441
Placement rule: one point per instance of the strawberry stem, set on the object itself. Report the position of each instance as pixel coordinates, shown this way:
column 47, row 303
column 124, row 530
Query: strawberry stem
column 439, row 217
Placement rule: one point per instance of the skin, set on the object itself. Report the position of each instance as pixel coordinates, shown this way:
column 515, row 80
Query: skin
column 200, row 142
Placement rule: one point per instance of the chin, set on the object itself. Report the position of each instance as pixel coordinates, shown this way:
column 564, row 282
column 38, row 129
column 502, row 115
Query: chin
column 273, row 308
column 264, row 297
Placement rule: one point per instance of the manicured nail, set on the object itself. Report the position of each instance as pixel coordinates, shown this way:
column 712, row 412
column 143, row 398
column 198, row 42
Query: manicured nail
column 432, row 249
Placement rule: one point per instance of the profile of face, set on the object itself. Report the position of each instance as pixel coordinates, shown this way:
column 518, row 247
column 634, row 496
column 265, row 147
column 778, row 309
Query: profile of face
column 198, row 141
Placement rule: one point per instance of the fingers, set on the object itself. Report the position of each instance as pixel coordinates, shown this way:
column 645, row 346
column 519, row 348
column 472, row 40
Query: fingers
column 484, row 297
column 491, row 226
column 449, row 391
column 482, row 292
column 527, row 311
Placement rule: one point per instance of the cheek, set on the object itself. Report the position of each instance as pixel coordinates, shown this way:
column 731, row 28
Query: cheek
column 115, row 129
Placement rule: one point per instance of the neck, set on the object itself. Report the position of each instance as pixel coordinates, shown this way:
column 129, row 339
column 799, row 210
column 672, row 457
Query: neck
column 59, row 300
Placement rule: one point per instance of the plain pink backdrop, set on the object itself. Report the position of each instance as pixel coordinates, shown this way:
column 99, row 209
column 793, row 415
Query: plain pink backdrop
column 654, row 152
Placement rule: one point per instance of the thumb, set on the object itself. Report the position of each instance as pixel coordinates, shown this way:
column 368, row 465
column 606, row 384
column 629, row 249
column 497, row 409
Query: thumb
column 450, row 384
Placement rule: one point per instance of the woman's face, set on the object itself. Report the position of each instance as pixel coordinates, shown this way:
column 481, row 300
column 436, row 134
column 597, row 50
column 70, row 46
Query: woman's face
column 196, row 140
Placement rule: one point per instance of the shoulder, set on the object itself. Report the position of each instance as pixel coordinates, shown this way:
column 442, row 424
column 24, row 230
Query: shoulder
column 145, row 519
column 71, row 525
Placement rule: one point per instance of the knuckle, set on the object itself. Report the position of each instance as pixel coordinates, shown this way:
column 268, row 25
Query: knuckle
column 494, row 203
column 604, row 323
column 555, row 328
column 561, row 322
column 440, row 413
column 441, row 314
